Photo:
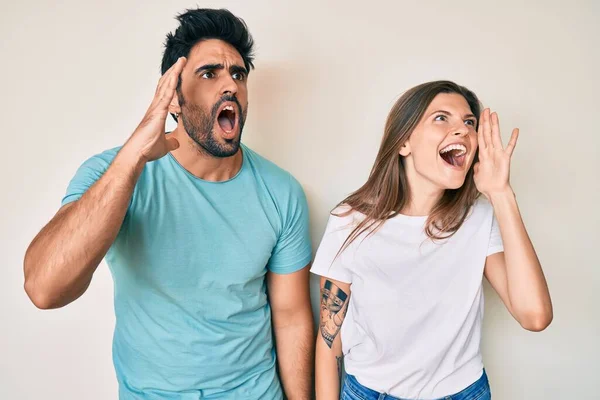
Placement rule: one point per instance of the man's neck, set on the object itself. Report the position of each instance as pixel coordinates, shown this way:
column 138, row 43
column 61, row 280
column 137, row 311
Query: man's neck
column 204, row 166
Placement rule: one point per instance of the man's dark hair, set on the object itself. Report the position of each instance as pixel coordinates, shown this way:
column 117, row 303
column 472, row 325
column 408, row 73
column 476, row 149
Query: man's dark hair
column 200, row 24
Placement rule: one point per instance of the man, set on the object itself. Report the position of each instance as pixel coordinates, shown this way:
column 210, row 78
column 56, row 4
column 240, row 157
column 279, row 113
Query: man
column 197, row 230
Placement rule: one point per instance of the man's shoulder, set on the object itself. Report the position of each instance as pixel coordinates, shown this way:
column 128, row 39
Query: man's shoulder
column 102, row 159
column 111, row 153
column 275, row 176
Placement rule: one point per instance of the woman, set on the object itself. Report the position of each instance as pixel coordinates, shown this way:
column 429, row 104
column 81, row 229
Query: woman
column 402, row 258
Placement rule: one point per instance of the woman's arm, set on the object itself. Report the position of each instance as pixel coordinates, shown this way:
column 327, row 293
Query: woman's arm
column 335, row 296
column 516, row 274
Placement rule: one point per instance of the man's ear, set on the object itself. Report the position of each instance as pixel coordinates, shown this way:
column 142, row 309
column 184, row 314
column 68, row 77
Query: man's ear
column 174, row 107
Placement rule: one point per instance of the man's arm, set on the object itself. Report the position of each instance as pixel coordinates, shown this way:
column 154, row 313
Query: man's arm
column 293, row 329
column 62, row 258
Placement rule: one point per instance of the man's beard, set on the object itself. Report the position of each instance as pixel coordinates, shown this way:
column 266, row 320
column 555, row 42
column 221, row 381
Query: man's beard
column 200, row 124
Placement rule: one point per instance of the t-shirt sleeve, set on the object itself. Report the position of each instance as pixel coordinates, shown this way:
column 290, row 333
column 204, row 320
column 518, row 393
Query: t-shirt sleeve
column 293, row 250
column 496, row 245
column 87, row 174
column 327, row 262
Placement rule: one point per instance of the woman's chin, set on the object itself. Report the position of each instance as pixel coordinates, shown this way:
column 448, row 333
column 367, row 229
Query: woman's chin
column 453, row 183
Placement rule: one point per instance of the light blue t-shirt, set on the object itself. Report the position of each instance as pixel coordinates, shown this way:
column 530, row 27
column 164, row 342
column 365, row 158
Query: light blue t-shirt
column 189, row 266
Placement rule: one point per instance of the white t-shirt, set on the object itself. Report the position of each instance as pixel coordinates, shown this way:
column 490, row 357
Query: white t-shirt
column 413, row 325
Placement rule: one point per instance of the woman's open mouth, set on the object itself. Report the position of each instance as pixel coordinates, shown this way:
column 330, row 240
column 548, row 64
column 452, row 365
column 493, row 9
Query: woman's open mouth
column 454, row 154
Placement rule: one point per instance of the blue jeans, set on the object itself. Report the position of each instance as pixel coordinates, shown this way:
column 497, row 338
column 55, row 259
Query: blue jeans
column 352, row 390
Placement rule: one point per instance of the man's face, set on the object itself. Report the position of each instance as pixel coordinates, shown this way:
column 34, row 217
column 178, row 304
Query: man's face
column 213, row 97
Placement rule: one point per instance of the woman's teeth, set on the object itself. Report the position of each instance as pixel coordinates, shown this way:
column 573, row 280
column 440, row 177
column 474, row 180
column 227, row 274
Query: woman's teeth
column 461, row 149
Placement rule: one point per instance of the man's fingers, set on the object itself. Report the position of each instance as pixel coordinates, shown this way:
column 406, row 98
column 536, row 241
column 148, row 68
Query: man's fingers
column 168, row 82
column 167, row 92
column 168, row 73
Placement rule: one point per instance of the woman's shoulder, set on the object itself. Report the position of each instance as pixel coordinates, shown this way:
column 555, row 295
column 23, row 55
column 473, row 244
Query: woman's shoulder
column 482, row 204
column 344, row 217
column 481, row 211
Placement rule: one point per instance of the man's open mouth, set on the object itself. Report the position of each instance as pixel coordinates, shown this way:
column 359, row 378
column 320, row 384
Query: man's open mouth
column 226, row 118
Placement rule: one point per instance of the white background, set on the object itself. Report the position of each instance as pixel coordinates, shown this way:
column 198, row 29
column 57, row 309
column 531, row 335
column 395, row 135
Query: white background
column 76, row 78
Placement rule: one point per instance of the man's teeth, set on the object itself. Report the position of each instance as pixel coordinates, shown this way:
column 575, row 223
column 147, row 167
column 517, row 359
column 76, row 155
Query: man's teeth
column 228, row 108
column 459, row 147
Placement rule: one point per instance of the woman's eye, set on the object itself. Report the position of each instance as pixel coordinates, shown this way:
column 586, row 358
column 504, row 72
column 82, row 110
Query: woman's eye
column 470, row 122
column 440, row 118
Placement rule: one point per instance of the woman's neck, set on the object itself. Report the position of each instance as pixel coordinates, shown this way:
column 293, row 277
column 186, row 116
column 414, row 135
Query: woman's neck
column 423, row 196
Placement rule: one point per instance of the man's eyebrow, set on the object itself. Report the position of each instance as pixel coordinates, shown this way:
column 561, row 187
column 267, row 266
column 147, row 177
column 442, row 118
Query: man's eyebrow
column 238, row 68
column 208, row 67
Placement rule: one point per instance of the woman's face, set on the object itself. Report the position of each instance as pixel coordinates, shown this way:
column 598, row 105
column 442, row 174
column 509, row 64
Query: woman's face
column 443, row 145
